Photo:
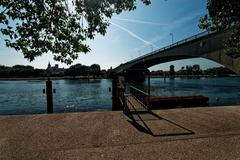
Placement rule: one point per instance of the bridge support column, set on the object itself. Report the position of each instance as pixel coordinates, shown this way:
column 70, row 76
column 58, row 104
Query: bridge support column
column 136, row 75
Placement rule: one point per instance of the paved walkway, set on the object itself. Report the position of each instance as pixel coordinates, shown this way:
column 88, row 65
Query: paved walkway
column 189, row 133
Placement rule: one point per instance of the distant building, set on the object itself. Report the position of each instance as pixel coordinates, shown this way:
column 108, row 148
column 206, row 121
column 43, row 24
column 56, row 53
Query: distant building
column 55, row 70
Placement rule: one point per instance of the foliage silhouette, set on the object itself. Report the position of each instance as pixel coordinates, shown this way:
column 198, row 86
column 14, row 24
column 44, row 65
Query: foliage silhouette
column 224, row 14
column 57, row 26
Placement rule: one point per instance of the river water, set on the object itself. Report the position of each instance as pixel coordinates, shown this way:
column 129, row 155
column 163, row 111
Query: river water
column 26, row 97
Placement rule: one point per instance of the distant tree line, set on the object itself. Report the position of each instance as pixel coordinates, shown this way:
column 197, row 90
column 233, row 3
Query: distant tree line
column 83, row 70
column 21, row 71
column 94, row 71
column 193, row 70
column 18, row 71
column 220, row 71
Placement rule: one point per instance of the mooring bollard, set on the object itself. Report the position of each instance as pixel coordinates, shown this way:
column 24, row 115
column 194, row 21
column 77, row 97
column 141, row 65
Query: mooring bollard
column 49, row 95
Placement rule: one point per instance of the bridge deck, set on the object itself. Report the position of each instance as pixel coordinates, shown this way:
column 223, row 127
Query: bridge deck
column 204, row 45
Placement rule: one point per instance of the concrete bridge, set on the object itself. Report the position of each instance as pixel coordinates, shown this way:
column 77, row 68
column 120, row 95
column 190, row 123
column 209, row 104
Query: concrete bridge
column 205, row 45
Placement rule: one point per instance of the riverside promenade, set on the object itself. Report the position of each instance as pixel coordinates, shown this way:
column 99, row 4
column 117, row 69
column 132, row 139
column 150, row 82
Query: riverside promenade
column 188, row 133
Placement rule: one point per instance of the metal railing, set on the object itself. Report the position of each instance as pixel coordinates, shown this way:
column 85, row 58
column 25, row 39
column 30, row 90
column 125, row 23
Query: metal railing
column 142, row 96
column 202, row 34
column 194, row 37
column 186, row 40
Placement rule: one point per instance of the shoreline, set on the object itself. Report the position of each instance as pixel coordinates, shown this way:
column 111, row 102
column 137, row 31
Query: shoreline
column 84, row 77
column 52, row 78
column 196, row 76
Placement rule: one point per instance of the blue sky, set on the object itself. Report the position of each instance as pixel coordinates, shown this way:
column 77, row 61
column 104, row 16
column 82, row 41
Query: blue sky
column 132, row 34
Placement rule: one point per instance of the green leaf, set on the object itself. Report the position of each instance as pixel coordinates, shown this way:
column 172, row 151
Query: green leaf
column 48, row 26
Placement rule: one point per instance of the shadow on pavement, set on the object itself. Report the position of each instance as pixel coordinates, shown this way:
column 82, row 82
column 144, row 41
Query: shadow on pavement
column 144, row 120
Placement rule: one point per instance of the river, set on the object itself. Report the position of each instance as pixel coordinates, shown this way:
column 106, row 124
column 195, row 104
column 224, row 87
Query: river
column 26, row 96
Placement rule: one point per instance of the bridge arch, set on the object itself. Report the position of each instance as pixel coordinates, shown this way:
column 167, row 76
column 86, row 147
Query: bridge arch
column 217, row 57
column 208, row 46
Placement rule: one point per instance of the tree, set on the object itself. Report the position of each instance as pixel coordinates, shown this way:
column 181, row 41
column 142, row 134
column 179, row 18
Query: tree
column 172, row 71
column 21, row 71
column 189, row 70
column 219, row 71
column 182, row 71
column 57, row 26
column 95, row 70
column 224, row 14
column 196, row 69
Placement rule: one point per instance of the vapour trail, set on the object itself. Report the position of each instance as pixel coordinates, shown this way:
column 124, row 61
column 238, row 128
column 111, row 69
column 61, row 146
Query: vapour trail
column 141, row 21
column 133, row 34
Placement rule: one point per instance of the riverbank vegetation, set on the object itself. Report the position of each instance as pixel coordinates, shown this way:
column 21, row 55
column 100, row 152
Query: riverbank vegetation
column 77, row 71
column 193, row 71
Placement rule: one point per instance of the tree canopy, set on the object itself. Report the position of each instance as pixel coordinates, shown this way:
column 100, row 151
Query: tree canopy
column 57, row 26
column 224, row 14
column 172, row 70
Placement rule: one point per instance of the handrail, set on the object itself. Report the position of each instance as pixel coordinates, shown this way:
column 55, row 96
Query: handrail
column 138, row 90
column 199, row 35
column 138, row 94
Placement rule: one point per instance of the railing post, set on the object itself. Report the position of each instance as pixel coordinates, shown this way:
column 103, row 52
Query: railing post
column 114, row 95
column 49, row 95
column 148, row 103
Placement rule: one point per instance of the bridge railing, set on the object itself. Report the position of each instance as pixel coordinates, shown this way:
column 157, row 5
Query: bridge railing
column 140, row 95
column 202, row 34
column 186, row 40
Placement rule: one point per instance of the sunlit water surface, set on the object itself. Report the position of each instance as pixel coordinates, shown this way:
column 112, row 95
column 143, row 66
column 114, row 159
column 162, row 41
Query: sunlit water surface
column 26, row 97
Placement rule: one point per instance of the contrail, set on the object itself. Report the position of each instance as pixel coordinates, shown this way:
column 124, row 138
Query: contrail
column 133, row 34
column 140, row 21
column 175, row 24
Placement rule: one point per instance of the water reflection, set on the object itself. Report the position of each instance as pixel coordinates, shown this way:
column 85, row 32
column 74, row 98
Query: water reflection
column 227, row 89
column 26, row 97
column 82, row 95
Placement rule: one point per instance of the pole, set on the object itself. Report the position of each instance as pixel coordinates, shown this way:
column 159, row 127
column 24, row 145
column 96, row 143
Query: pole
column 114, row 94
column 148, row 88
column 49, row 95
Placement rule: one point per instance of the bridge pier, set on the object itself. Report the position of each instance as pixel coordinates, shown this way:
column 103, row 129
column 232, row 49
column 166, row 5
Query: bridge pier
column 136, row 75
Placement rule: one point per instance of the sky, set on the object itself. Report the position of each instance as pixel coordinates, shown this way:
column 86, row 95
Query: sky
column 133, row 34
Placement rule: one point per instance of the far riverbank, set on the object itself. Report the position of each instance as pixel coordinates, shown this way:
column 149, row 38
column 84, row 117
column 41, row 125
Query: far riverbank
column 80, row 95
column 52, row 78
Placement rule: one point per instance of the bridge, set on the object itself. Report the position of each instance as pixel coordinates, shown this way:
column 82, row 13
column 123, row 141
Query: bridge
column 206, row 45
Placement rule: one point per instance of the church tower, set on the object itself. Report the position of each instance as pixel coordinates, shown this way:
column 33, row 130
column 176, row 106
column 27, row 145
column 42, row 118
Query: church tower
column 49, row 66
